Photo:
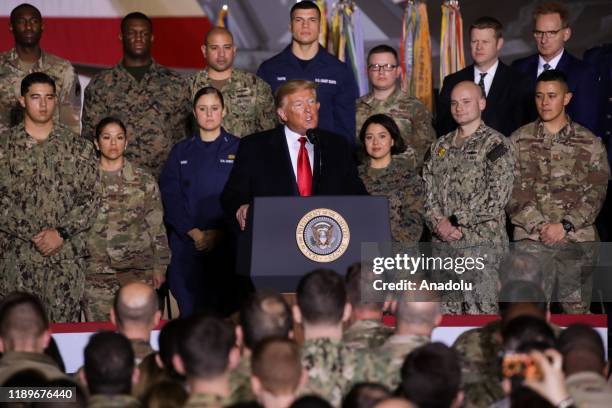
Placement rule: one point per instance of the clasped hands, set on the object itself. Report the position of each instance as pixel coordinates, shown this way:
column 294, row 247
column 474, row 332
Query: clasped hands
column 447, row 232
column 48, row 242
column 552, row 233
column 204, row 240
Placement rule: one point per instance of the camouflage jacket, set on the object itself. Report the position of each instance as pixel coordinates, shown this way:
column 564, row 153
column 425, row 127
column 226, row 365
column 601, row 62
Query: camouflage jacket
column 46, row 185
column 395, row 349
column 366, row 334
column 248, row 102
column 333, row 368
column 154, row 111
column 67, row 85
column 404, row 189
column 412, row 118
column 589, row 389
column 560, row 176
column 240, row 381
column 201, row 400
column 472, row 182
column 479, row 351
column 129, row 232
column 112, row 401
column 13, row 362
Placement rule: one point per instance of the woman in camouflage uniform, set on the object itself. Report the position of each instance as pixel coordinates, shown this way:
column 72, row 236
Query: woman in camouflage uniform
column 389, row 173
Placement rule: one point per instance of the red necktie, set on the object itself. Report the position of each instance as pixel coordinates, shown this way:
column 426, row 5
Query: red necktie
column 304, row 172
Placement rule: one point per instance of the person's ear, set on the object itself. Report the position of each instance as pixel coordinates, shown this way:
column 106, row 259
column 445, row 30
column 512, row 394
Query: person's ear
column 303, row 380
column 567, row 33
column 22, row 101
column 567, row 98
column 156, row 318
column 46, row 339
column 96, row 144
column 82, row 376
column 500, row 44
column 458, row 401
column 482, row 103
column 113, row 317
column 234, row 358
column 346, row 314
column 203, row 49
column 239, row 336
column 297, row 314
column 135, row 376
column 281, row 114
column 177, row 362
column 159, row 361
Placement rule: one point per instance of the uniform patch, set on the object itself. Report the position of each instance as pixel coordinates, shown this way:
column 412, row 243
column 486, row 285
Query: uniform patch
column 231, row 156
column 498, row 151
column 441, row 152
column 183, row 161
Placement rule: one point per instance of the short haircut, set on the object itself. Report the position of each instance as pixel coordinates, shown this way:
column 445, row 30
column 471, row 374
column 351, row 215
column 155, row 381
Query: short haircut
column 483, row 23
column 365, row 395
column 359, row 290
column 208, row 90
column 290, row 87
column 321, row 296
column 305, row 5
column 13, row 17
column 205, row 345
column 109, row 364
column 310, row 401
column 520, row 265
column 553, row 75
column 136, row 15
column 166, row 394
column 168, row 344
column 276, row 362
column 36, row 78
column 431, row 376
column 265, row 315
column 524, row 334
column 411, row 312
column 107, row 121
column 552, row 7
column 215, row 30
column 22, row 316
column 581, row 340
column 520, row 291
column 127, row 314
column 388, row 123
column 381, row 49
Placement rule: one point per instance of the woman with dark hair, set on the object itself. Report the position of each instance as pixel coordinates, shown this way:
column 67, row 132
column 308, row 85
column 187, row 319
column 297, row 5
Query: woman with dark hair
column 389, row 173
column 192, row 181
column 128, row 239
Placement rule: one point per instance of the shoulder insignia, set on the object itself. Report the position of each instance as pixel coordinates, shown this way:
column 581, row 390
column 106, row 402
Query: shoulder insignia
column 498, row 151
column 441, row 152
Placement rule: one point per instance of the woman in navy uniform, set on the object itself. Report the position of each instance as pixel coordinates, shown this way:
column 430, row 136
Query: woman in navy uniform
column 201, row 267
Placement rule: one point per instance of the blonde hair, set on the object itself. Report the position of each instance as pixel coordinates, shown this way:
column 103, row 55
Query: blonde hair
column 290, row 87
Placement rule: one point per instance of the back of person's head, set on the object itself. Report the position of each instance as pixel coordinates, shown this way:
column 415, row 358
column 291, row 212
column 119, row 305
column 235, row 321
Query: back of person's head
column 205, row 347
column 265, row 315
column 395, row 402
column 412, row 314
column 365, row 395
column 520, row 297
column 165, row 394
column 310, row 401
column 168, row 345
column 431, row 377
column 553, row 75
column 359, row 282
column 135, row 304
column 23, row 323
column 527, row 333
column 520, row 265
column 582, row 349
column 277, row 367
column 321, row 297
column 109, row 364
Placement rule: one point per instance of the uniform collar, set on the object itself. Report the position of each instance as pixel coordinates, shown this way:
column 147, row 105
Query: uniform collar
column 38, row 65
column 206, row 77
column 370, row 100
column 154, row 67
column 565, row 133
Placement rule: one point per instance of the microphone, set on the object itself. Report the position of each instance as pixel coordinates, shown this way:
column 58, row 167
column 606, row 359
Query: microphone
column 312, row 136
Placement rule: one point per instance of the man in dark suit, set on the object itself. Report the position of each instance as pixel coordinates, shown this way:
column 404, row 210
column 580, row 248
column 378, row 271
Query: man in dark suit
column 551, row 32
column 294, row 159
column 507, row 91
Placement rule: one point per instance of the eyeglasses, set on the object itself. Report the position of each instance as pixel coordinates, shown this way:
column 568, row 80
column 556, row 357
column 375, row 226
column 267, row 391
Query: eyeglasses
column 377, row 67
column 547, row 34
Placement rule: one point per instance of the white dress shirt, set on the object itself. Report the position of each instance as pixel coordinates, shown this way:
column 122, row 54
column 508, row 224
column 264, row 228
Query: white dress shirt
column 488, row 79
column 293, row 143
column 553, row 62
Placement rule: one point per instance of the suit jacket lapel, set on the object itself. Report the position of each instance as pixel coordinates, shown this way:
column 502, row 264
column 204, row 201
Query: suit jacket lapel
column 282, row 162
column 316, row 174
column 498, row 82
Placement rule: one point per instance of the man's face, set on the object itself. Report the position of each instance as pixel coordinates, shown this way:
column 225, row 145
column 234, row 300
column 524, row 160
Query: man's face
column 379, row 77
column 219, row 51
column 551, row 99
column 27, row 27
column 300, row 111
column 39, row 103
column 137, row 38
column 466, row 103
column 484, row 46
column 550, row 35
column 305, row 25
column 112, row 142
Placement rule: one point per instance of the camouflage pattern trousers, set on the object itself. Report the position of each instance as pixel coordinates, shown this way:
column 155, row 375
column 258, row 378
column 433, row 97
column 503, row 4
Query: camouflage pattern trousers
column 58, row 284
column 100, row 289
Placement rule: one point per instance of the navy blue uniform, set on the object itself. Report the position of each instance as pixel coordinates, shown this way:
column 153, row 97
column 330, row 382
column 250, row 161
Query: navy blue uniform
column 192, row 181
column 336, row 86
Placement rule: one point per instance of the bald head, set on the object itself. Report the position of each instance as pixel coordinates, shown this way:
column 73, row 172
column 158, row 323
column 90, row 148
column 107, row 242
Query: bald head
column 467, row 103
column 218, row 31
column 135, row 304
column 419, row 316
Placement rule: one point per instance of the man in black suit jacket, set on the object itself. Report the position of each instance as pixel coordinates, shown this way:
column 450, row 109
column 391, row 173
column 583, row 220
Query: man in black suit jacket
column 268, row 163
column 551, row 32
column 508, row 97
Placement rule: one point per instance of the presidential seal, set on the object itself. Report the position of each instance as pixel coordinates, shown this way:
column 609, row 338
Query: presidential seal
column 322, row 235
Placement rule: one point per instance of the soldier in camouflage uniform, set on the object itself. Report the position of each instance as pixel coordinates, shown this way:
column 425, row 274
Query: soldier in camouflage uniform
column 248, row 99
column 389, row 173
column 150, row 99
column 27, row 57
column 560, row 186
column 410, row 115
column 49, row 197
column 468, row 180
column 127, row 241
